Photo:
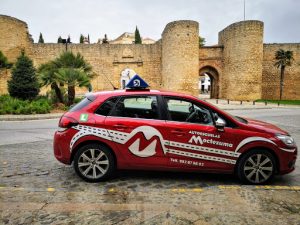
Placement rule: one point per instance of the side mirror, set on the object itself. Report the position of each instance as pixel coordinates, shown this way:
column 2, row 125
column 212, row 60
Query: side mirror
column 220, row 124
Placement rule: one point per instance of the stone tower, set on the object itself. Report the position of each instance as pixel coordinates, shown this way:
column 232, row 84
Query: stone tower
column 14, row 37
column 242, row 57
column 180, row 56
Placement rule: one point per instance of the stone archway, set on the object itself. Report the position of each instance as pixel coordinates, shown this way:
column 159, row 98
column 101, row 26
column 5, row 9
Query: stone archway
column 209, row 81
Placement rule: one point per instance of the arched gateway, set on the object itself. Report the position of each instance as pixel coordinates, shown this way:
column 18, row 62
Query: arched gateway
column 209, row 78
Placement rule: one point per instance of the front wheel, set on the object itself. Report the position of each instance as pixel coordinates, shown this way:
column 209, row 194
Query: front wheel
column 94, row 162
column 256, row 167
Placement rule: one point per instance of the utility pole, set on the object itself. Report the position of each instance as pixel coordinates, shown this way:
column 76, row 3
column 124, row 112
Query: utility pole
column 244, row 10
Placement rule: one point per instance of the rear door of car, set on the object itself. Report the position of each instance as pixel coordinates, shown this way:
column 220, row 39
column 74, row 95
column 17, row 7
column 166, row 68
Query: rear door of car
column 137, row 128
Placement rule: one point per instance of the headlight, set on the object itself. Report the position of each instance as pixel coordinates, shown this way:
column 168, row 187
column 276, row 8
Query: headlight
column 287, row 140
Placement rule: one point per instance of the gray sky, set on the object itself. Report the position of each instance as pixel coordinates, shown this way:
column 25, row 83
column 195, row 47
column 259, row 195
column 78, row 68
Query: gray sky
column 113, row 17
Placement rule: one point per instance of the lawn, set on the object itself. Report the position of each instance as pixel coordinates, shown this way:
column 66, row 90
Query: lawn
column 283, row 102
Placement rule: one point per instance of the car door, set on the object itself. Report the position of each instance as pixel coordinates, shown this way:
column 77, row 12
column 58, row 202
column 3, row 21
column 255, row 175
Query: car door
column 137, row 128
column 194, row 142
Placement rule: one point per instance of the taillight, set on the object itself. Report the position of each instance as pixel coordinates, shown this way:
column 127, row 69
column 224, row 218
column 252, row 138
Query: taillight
column 66, row 122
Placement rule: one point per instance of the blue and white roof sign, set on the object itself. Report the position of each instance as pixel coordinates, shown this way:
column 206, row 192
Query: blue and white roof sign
column 136, row 82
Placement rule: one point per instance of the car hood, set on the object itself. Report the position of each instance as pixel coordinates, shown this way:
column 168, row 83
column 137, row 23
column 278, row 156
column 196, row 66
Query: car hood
column 263, row 126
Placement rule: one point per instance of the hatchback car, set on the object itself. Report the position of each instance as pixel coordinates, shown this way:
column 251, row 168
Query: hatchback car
column 159, row 130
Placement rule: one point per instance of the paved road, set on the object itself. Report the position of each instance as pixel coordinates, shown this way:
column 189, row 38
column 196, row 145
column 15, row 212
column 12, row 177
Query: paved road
column 41, row 190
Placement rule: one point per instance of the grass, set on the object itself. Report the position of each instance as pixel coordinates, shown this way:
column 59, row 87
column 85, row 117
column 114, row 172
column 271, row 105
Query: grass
column 283, row 102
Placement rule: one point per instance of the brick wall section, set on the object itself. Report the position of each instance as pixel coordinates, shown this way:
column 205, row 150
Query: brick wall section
column 108, row 61
column 243, row 54
column 271, row 74
column 180, row 56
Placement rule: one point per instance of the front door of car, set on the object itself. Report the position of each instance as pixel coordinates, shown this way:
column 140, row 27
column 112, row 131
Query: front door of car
column 138, row 131
column 194, row 141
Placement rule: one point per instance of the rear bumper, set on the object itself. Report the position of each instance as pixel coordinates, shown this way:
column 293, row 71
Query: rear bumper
column 61, row 147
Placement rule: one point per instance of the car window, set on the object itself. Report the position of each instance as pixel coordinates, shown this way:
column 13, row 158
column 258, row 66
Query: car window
column 137, row 107
column 186, row 111
column 106, row 107
column 80, row 105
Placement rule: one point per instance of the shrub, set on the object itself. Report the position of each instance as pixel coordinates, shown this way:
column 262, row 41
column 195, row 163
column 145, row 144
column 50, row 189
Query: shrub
column 23, row 83
column 10, row 105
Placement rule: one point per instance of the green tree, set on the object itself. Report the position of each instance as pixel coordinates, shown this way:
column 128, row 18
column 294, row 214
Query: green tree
column 4, row 64
column 59, row 40
column 67, row 70
column 137, row 36
column 47, row 74
column 73, row 77
column 201, row 42
column 283, row 59
column 81, row 39
column 24, row 83
column 41, row 39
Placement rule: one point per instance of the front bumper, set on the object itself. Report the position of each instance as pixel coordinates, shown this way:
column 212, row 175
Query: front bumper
column 288, row 160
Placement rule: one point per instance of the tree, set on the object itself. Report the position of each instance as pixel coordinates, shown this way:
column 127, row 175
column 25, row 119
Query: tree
column 201, row 42
column 283, row 59
column 81, row 39
column 47, row 75
column 137, row 36
column 67, row 70
column 4, row 64
column 73, row 77
column 24, row 83
column 105, row 39
column 59, row 40
column 41, row 39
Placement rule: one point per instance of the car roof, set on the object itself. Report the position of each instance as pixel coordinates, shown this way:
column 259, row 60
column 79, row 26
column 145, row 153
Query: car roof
column 140, row 92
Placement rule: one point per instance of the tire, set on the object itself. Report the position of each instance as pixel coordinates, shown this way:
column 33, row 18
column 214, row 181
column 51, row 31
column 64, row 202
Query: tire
column 94, row 162
column 257, row 166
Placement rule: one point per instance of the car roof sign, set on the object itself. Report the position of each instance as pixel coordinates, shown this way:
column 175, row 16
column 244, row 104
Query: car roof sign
column 136, row 82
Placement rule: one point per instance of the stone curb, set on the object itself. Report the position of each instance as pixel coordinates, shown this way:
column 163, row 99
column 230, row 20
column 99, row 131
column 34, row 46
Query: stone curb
column 30, row 117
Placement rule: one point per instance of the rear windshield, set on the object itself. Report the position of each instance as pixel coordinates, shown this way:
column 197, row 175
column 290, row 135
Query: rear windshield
column 83, row 103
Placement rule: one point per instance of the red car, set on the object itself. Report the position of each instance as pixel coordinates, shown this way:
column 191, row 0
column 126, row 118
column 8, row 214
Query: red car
column 158, row 130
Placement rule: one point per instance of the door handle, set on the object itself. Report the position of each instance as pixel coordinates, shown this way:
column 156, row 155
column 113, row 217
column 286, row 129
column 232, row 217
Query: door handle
column 178, row 132
column 120, row 127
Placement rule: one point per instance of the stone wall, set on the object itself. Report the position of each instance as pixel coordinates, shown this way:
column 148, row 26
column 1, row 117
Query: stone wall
column 180, row 56
column 271, row 74
column 243, row 54
column 240, row 65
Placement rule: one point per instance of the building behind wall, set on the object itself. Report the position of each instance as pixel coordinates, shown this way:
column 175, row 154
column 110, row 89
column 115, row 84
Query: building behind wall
column 241, row 66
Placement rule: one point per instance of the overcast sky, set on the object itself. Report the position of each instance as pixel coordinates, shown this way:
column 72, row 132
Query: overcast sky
column 113, row 17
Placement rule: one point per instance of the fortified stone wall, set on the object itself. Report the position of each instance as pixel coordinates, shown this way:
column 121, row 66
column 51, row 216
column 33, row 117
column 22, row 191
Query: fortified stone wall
column 180, row 56
column 271, row 74
column 243, row 54
column 242, row 66
column 108, row 61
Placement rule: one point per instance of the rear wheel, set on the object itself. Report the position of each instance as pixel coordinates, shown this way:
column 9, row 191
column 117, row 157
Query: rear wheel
column 94, row 162
column 256, row 167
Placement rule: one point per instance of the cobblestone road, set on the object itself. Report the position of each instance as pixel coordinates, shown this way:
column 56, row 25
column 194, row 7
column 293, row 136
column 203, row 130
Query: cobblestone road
column 35, row 188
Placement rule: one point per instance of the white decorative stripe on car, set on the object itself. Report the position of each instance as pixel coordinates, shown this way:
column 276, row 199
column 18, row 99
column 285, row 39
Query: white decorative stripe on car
column 199, row 156
column 202, row 149
column 288, row 150
column 251, row 139
column 150, row 132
